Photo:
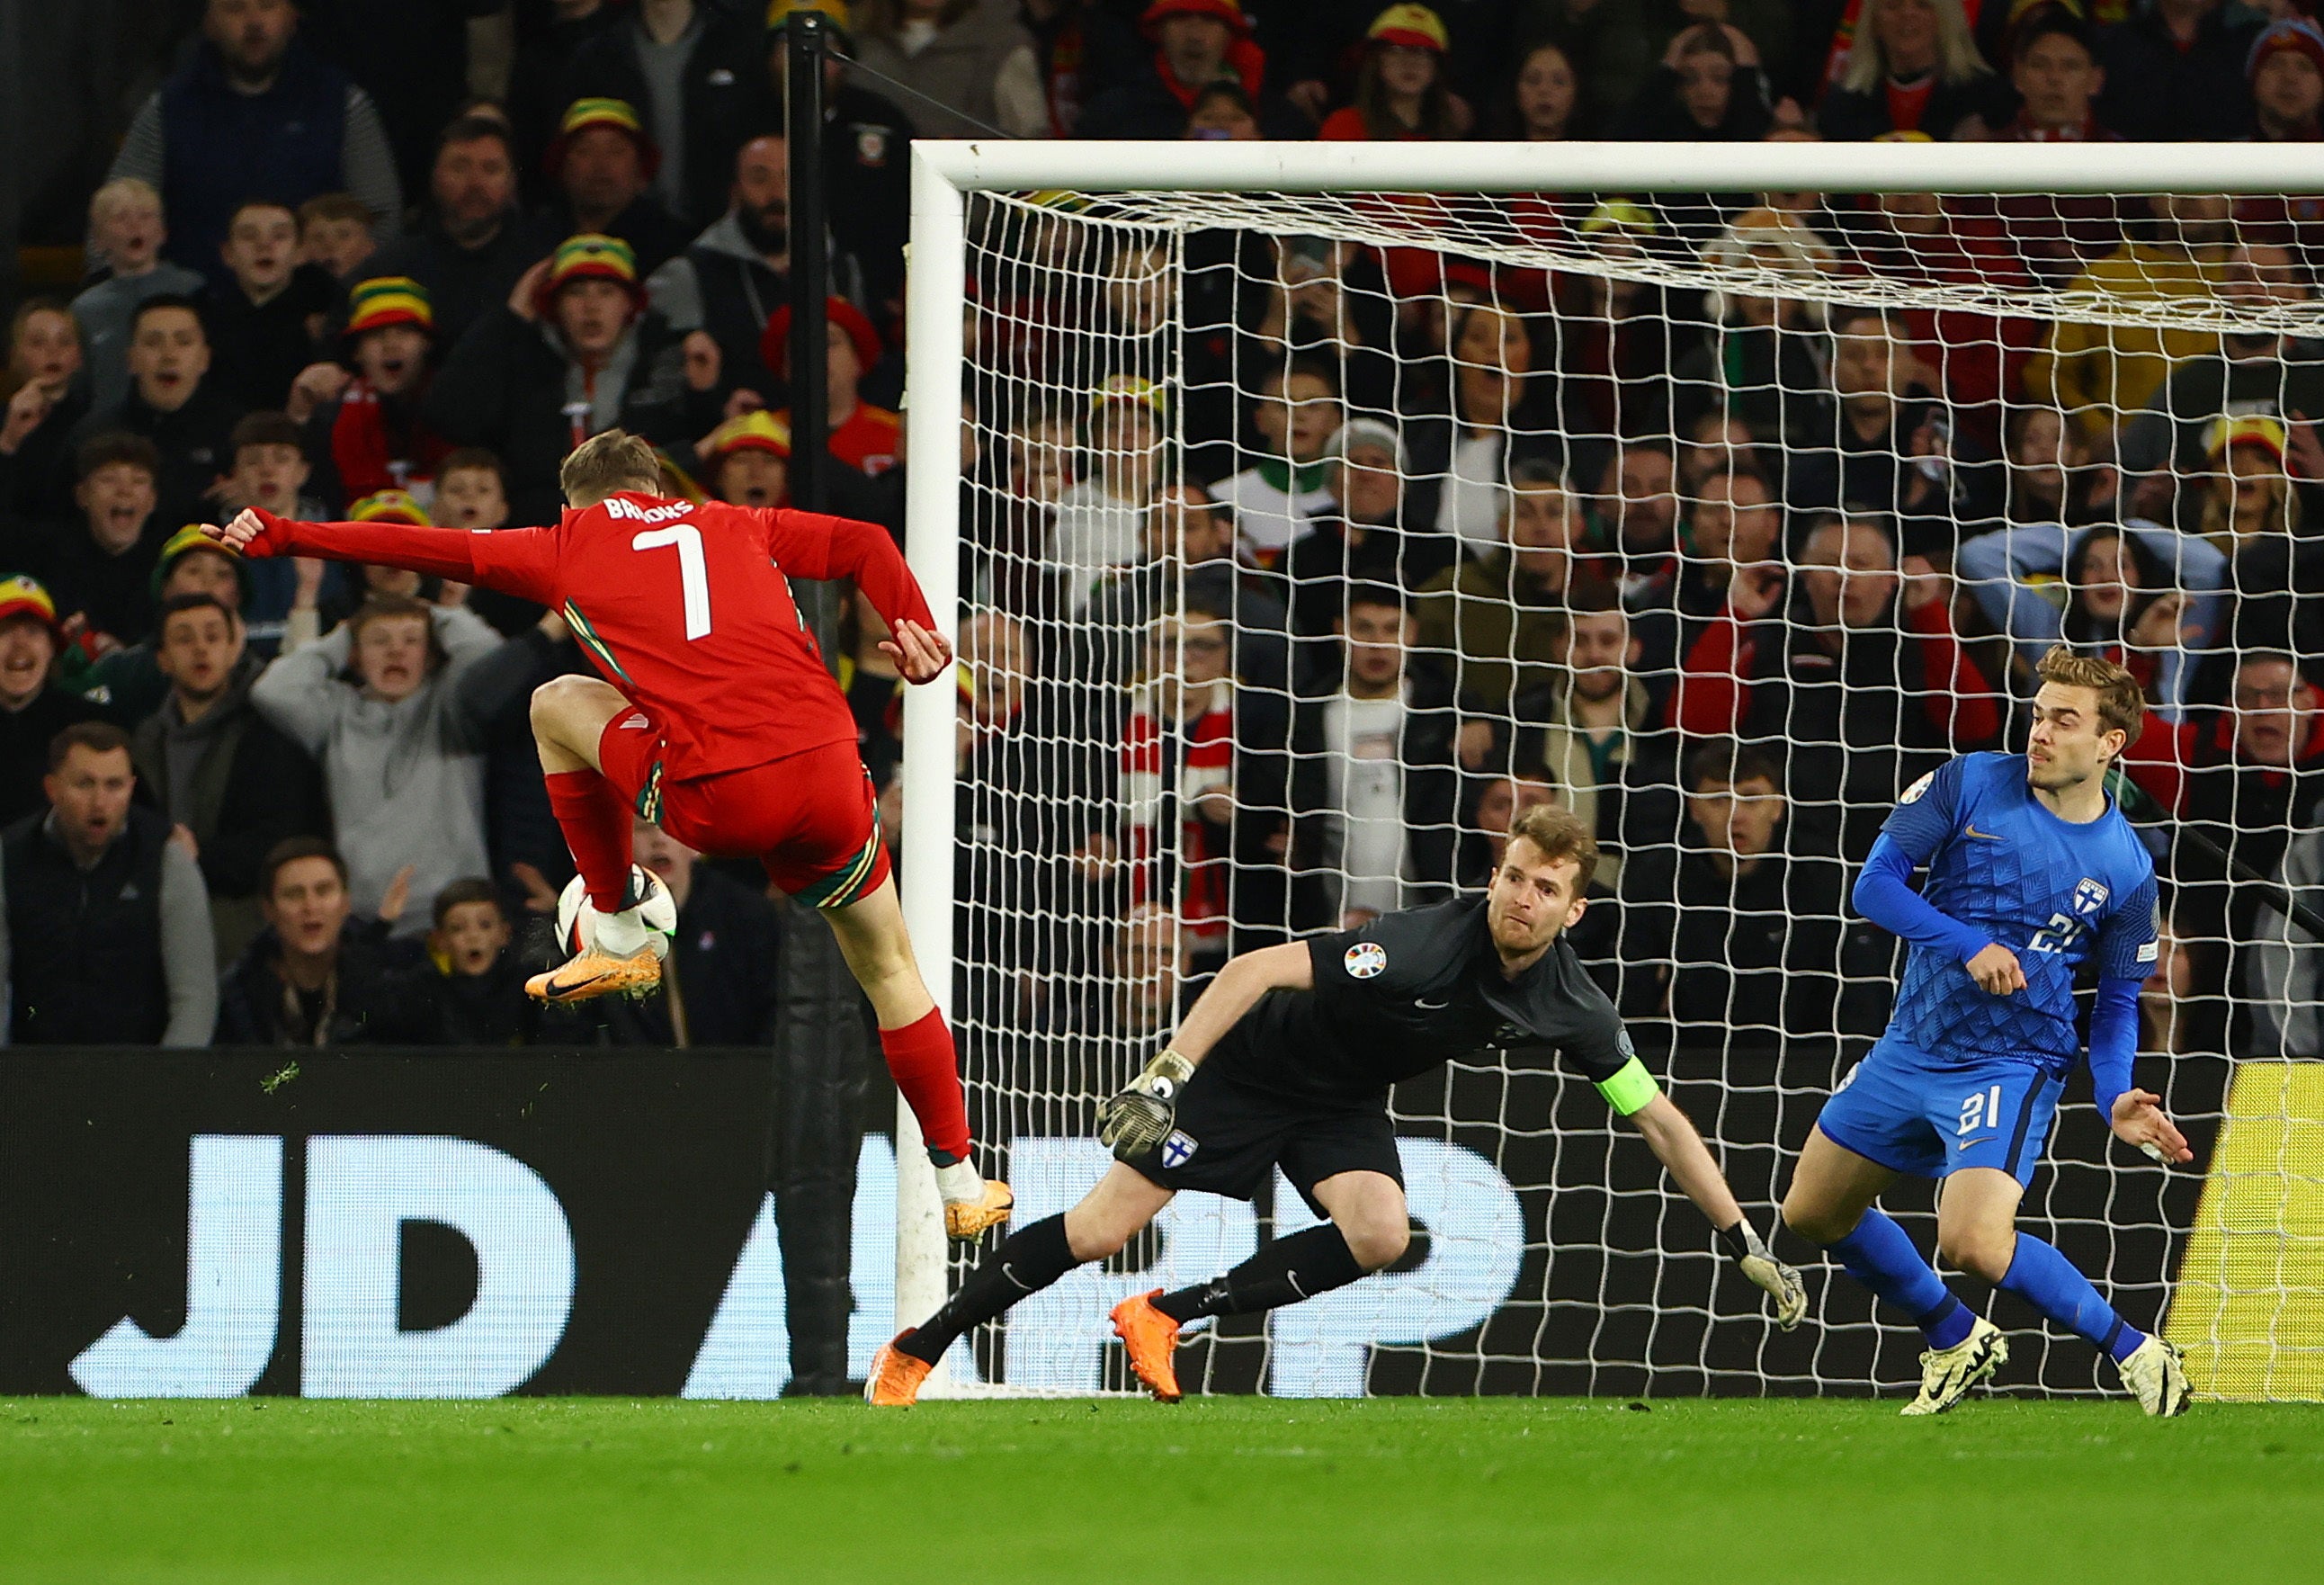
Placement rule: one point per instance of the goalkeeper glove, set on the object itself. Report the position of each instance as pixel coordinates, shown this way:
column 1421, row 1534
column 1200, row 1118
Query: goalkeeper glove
column 1780, row 1282
column 1139, row 1118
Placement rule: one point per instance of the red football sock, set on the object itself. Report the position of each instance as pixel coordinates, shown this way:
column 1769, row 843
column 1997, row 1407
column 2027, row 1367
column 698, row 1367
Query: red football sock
column 596, row 826
column 927, row 1071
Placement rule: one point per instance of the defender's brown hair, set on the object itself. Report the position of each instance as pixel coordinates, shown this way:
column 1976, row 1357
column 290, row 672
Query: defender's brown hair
column 604, row 465
column 2122, row 706
column 1558, row 835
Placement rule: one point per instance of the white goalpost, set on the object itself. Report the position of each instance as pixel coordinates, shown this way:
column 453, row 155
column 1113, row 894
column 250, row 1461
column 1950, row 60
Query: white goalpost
column 1081, row 833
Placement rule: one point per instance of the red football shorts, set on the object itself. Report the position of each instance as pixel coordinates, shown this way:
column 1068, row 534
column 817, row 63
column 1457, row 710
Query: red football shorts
column 811, row 818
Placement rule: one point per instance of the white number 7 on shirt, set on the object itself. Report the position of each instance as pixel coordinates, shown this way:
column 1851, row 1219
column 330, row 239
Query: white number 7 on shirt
column 693, row 572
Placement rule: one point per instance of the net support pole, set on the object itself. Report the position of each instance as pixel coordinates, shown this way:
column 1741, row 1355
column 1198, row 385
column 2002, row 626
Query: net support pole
column 935, row 267
column 821, row 1061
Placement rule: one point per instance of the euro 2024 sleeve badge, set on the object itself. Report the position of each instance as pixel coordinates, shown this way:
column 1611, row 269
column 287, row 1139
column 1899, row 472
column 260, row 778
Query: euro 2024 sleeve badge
column 1365, row 959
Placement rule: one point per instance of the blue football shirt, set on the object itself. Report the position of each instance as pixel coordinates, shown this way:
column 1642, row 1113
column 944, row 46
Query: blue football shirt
column 2057, row 894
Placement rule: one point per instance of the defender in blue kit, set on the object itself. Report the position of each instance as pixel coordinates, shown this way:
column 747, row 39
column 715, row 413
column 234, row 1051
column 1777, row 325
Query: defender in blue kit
column 2034, row 877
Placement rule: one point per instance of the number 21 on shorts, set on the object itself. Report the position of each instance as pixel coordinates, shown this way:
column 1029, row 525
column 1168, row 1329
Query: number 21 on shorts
column 1980, row 1109
column 693, row 572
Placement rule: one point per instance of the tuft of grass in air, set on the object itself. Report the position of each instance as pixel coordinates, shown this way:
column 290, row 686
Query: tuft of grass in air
column 565, row 1491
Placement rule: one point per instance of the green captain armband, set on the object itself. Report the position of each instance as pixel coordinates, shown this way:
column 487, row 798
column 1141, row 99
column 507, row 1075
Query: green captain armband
column 1630, row 1089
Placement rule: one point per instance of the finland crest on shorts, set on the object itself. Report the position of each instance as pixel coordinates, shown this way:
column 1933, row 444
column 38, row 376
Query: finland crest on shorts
column 1178, row 1149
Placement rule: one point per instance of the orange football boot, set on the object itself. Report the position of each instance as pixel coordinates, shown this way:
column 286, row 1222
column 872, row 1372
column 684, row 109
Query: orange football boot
column 896, row 1377
column 968, row 1219
column 1151, row 1340
column 593, row 974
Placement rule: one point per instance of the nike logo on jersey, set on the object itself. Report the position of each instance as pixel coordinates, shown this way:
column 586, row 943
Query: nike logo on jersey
column 1983, row 836
column 1423, row 1002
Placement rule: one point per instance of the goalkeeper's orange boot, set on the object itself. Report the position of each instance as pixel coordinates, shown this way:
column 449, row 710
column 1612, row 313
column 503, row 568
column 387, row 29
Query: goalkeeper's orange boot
column 590, row 974
column 1150, row 1338
column 896, row 1377
column 969, row 1219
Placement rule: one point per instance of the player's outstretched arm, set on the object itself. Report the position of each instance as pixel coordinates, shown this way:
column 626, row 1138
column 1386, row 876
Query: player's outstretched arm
column 1673, row 1139
column 1139, row 1118
column 815, row 545
column 512, row 560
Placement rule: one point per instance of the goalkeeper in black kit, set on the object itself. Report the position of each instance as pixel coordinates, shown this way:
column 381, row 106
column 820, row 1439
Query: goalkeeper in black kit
column 1285, row 1060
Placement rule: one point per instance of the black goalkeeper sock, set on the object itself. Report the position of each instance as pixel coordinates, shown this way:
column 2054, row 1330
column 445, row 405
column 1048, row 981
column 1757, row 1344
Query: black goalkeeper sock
column 1283, row 1271
column 1025, row 1264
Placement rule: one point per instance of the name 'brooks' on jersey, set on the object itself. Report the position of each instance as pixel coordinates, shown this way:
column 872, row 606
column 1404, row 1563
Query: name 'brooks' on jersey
column 2057, row 894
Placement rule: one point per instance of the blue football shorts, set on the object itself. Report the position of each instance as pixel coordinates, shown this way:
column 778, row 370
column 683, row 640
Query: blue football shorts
column 1910, row 1112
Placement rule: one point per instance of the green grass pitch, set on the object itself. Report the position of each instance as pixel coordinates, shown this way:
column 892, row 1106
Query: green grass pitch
column 1225, row 1490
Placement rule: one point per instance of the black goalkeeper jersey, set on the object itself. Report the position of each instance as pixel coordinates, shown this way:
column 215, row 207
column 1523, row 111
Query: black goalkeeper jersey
column 1409, row 990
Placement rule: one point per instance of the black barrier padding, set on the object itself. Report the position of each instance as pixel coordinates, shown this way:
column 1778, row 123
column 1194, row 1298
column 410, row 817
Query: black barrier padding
column 657, row 1159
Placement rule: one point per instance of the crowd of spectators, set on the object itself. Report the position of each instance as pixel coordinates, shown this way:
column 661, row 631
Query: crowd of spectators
column 1297, row 568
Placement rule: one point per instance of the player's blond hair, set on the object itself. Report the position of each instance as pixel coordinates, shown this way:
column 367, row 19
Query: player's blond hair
column 2122, row 704
column 604, row 465
column 1557, row 833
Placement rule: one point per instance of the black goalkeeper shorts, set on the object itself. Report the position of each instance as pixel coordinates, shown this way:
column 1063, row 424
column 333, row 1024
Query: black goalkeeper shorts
column 1228, row 1134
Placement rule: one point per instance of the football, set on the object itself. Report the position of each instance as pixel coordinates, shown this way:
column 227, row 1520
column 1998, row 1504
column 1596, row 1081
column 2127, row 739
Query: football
column 577, row 918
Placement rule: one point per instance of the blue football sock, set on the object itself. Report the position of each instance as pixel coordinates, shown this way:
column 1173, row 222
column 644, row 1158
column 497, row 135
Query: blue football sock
column 2045, row 1279
column 1880, row 1255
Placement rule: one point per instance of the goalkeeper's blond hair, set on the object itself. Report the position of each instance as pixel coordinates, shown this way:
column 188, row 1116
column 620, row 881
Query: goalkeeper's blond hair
column 1557, row 833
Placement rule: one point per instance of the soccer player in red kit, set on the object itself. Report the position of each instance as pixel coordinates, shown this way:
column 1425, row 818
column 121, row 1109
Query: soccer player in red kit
column 717, row 721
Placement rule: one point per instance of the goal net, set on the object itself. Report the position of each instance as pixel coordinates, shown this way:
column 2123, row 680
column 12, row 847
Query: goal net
column 1315, row 513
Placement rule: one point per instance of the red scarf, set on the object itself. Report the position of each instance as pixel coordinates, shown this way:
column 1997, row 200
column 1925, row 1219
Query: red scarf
column 368, row 458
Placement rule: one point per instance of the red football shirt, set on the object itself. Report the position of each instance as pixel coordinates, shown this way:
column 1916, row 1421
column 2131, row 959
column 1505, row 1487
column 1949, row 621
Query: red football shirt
column 684, row 608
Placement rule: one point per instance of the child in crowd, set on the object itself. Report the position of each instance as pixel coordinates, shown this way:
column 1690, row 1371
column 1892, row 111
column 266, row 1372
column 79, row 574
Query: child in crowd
column 334, row 234
column 126, row 235
column 267, row 319
column 101, row 574
column 750, row 460
column 478, row 987
column 1297, row 414
column 471, row 490
column 379, row 440
column 270, row 469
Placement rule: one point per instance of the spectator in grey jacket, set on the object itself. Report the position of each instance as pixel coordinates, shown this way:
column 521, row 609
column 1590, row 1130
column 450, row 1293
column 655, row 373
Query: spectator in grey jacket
column 126, row 234
column 404, row 777
column 106, row 937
